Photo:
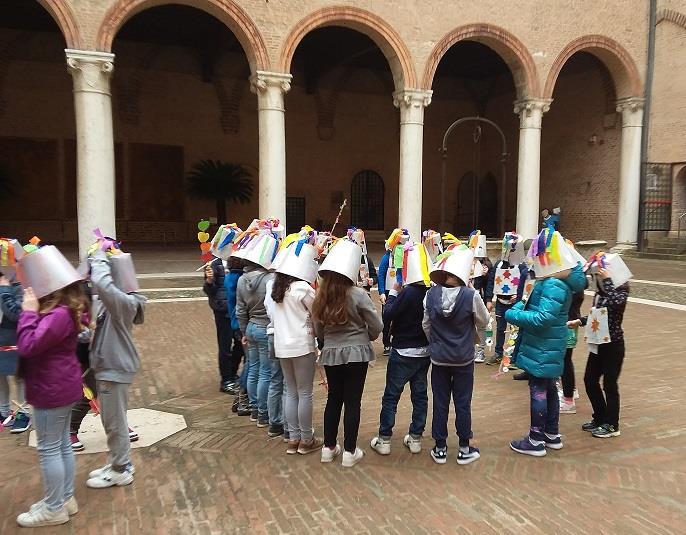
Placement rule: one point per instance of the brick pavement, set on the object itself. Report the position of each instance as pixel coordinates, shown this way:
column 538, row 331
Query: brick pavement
column 222, row 475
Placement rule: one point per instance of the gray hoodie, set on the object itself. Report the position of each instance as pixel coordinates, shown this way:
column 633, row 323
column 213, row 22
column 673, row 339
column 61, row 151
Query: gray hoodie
column 250, row 293
column 113, row 354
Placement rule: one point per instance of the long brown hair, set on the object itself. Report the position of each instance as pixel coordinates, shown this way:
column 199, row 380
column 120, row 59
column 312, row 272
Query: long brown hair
column 72, row 297
column 282, row 284
column 330, row 303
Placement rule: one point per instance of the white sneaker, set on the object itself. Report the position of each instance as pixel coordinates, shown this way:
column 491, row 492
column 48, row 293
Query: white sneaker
column 110, row 478
column 42, row 516
column 70, row 506
column 329, row 454
column 413, row 444
column 576, row 393
column 479, row 355
column 99, row 471
column 567, row 408
column 382, row 446
column 351, row 459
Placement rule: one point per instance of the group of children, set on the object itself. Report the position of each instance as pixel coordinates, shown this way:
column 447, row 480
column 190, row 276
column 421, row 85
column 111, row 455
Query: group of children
column 301, row 302
column 66, row 336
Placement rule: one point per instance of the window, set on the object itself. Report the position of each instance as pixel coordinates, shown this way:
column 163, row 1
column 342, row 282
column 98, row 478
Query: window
column 295, row 214
column 367, row 201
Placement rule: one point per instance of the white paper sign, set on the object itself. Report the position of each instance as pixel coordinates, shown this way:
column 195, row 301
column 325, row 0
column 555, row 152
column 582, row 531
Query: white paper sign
column 507, row 281
column 597, row 328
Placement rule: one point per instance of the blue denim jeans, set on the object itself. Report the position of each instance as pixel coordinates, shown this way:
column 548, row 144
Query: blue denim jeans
column 55, row 453
column 259, row 372
column 545, row 407
column 400, row 371
column 277, row 388
column 500, row 324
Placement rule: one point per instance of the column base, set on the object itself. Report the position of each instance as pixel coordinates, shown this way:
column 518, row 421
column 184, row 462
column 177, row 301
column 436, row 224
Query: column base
column 624, row 248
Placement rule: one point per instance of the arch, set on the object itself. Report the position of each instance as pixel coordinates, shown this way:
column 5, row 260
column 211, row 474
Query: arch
column 367, row 192
column 227, row 11
column 373, row 26
column 511, row 49
column 672, row 16
column 617, row 60
column 64, row 17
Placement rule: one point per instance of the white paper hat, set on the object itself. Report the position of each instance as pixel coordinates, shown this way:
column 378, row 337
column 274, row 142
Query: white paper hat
column 614, row 264
column 259, row 249
column 299, row 261
column 433, row 244
column 11, row 252
column 222, row 243
column 513, row 249
column 416, row 264
column 477, row 269
column 550, row 254
column 477, row 242
column 124, row 272
column 46, row 270
column 457, row 261
column 345, row 258
column 575, row 253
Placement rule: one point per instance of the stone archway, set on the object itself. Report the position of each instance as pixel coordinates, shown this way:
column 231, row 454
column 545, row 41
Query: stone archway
column 227, row 11
column 64, row 18
column 373, row 26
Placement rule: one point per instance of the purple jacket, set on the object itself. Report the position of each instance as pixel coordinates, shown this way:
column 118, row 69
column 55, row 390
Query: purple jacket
column 49, row 366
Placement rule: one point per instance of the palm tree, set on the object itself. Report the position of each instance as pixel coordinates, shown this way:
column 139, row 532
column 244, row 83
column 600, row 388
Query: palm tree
column 219, row 181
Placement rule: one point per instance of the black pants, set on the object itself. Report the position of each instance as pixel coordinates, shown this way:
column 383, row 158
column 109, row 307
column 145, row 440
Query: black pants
column 81, row 407
column 237, row 354
column 608, row 365
column 568, row 380
column 346, row 384
column 386, row 333
column 458, row 381
column 224, row 340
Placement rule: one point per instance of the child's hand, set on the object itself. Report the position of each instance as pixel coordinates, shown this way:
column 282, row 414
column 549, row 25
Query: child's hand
column 397, row 286
column 489, row 306
column 382, row 299
column 244, row 341
column 573, row 324
column 208, row 273
column 30, row 302
column 603, row 274
column 4, row 281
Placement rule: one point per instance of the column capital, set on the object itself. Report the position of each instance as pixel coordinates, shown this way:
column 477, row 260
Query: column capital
column 632, row 111
column 411, row 103
column 531, row 110
column 263, row 80
column 90, row 70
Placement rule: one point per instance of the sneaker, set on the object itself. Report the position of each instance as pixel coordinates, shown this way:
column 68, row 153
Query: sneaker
column 244, row 410
column 494, row 360
column 329, row 454
column 386, row 351
column 234, row 405
column 254, row 415
column 606, row 431
column 381, row 445
column 110, row 478
column 351, row 459
column 526, row 447
column 262, row 421
column 553, row 442
column 99, row 471
column 479, row 356
column 22, row 422
column 133, row 436
column 42, row 516
column 311, row 446
column 228, row 387
column 76, row 444
column 292, row 448
column 275, row 431
column 469, row 457
column 414, row 444
column 439, row 455
column 590, row 426
column 70, row 506
column 7, row 420
column 567, row 408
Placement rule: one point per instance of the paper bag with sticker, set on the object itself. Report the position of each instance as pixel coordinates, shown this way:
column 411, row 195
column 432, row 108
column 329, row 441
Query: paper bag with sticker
column 597, row 329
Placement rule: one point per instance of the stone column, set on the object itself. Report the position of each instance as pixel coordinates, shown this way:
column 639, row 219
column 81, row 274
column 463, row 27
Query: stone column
column 270, row 88
column 95, row 189
column 529, row 167
column 411, row 103
column 629, row 171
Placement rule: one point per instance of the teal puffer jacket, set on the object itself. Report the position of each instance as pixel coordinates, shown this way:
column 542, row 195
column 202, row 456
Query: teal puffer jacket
column 543, row 324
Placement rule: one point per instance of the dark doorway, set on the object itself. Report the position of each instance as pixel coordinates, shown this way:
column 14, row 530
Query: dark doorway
column 367, row 201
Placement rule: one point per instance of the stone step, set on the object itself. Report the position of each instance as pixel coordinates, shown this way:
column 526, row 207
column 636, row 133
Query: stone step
column 667, row 242
column 661, row 256
column 662, row 250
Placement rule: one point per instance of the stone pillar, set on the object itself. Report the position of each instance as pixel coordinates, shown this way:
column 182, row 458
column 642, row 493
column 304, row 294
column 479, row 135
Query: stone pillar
column 411, row 103
column 95, row 189
column 270, row 88
column 529, row 167
column 629, row 171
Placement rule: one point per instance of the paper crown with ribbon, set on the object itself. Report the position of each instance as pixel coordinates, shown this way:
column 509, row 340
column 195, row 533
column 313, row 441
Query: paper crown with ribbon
column 10, row 253
column 306, row 236
column 416, row 264
column 450, row 239
column 457, row 260
column 512, row 250
column 399, row 236
column 298, row 260
column 550, row 254
column 477, row 242
column 432, row 241
column 222, row 243
column 613, row 263
column 575, row 253
column 344, row 258
column 46, row 270
column 259, row 243
column 121, row 264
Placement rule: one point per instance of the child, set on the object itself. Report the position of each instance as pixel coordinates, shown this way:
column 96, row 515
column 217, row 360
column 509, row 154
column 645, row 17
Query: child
column 390, row 272
column 567, row 404
column 452, row 314
column 605, row 360
column 346, row 320
column 409, row 359
column 542, row 323
column 235, row 266
column 54, row 311
column 477, row 243
column 289, row 303
column 114, row 358
column 511, row 272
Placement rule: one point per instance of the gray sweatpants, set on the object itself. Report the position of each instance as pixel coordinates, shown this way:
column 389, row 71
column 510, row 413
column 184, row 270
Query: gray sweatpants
column 298, row 372
column 114, row 400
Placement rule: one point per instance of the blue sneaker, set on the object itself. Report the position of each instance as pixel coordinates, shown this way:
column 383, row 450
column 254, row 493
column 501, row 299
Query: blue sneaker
column 553, row 442
column 22, row 422
column 469, row 457
column 526, row 447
